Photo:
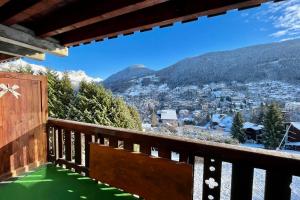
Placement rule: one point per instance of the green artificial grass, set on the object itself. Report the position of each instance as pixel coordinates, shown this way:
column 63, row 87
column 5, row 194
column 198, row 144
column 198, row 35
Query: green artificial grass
column 50, row 182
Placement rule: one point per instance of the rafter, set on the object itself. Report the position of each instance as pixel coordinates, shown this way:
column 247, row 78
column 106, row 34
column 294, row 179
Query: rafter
column 14, row 7
column 163, row 14
column 4, row 57
column 91, row 12
column 26, row 40
column 16, row 12
column 17, row 51
column 2, row 2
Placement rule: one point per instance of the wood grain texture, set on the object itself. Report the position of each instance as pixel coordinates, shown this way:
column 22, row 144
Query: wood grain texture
column 23, row 138
column 160, row 178
column 259, row 158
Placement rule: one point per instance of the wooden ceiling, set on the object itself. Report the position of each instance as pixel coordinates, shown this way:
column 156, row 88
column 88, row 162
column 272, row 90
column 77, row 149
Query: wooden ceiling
column 75, row 22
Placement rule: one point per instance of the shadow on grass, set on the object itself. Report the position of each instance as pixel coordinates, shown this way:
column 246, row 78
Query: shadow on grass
column 56, row 183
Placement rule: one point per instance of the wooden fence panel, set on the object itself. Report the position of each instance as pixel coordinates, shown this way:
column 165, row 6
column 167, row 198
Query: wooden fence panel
column 23, row 117
column 137, row 173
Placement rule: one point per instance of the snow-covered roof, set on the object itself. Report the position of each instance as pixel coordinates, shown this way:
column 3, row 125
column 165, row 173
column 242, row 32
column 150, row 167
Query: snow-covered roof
column 253, row 126
column 296, row 125
column 217, row 118
column 223, row 121
column 168, row 114
column 292, row 143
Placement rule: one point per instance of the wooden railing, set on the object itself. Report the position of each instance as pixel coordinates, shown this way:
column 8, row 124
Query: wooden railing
column 66, row 139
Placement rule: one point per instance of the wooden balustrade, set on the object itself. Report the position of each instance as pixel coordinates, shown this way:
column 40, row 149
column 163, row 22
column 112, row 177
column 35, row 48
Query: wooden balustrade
column 67, row 137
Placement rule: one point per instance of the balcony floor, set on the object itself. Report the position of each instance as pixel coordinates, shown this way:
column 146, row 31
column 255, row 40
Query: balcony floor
column 50, row 182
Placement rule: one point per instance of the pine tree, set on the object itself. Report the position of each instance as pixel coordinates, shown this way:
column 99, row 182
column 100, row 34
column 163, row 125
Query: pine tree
column 54, row 105
column 258, row 117
column 65, row 96
column 237, row 131
column 273, row 127
column 94, row 104
column 26, row 70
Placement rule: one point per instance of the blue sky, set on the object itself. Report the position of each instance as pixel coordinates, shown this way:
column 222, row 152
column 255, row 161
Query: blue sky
column 160, row 48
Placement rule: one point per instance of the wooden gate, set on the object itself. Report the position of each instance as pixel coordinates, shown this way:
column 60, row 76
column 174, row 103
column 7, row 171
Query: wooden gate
column 23, row 117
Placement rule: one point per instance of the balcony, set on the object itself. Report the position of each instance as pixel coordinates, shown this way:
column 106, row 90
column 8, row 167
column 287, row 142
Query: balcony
column 67, row 137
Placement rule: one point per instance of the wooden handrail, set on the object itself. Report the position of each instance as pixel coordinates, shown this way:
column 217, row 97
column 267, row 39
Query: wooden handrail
column 280, row 166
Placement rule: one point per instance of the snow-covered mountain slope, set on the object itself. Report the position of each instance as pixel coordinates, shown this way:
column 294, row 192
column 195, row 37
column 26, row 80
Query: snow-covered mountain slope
column 275, row 62
column 125, row 76
column 75, row 75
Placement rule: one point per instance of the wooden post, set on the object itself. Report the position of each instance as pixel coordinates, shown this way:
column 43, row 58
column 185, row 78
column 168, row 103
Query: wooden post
column 278, row 185
column 242, row 182
column 212, row 179
column 68, row 147
column 87, row 141
column 77, row 147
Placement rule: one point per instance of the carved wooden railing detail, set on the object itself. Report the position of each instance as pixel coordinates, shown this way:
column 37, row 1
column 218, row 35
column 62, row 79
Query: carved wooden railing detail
column 67, row 137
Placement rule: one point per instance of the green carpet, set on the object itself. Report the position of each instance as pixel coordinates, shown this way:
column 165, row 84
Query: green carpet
column 56, row 183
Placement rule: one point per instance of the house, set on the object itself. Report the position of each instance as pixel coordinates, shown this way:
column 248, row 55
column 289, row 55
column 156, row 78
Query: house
column 293, row 139
column 253, row 131
column 168, row 117
column 292, row 106
column 222, row 121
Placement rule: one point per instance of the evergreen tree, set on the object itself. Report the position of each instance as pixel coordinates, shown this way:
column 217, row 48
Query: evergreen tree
column 26, row 70
column 94, row 104
column 237, row 131
column 54, row 104
column 259, row 117
column 65, row 96
column 273, row 127
column 136, row 118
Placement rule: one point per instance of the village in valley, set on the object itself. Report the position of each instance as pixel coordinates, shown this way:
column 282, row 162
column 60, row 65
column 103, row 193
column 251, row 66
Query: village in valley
column 207, row 112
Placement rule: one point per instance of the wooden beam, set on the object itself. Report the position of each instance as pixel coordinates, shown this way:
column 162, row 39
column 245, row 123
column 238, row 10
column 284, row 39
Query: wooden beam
column 16, row 12
column 159, row 15
column 13, row 50
column 2, row 2
column 4, row 57
column 14, row 7
column 26, row 40
column 67, row 18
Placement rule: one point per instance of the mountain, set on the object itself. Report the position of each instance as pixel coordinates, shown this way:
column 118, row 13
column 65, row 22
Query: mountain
column 275, row 61
column 75, row 75
column 122, row 79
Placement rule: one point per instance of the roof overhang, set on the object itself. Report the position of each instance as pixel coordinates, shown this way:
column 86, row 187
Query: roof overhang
column 34, row 27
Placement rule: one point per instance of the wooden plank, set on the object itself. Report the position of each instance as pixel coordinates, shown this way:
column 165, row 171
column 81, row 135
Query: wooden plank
column 68, row 147
column 78, row 168
column 113, row 142
column 164, row 153
column 92, row 12
column 260, row 158
column 2, row 2
column 26, row 40
column 23, row 139
column 78, row 143
column 5, row 57
column 14, row 12
column 11, row 8
column 128, row 145
column 212, row 179
column 183, row 156
column 242, row 181
column 145, row 148
column 161, row 178
column 60, row 142
column 278, row 185
column 87, row 141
